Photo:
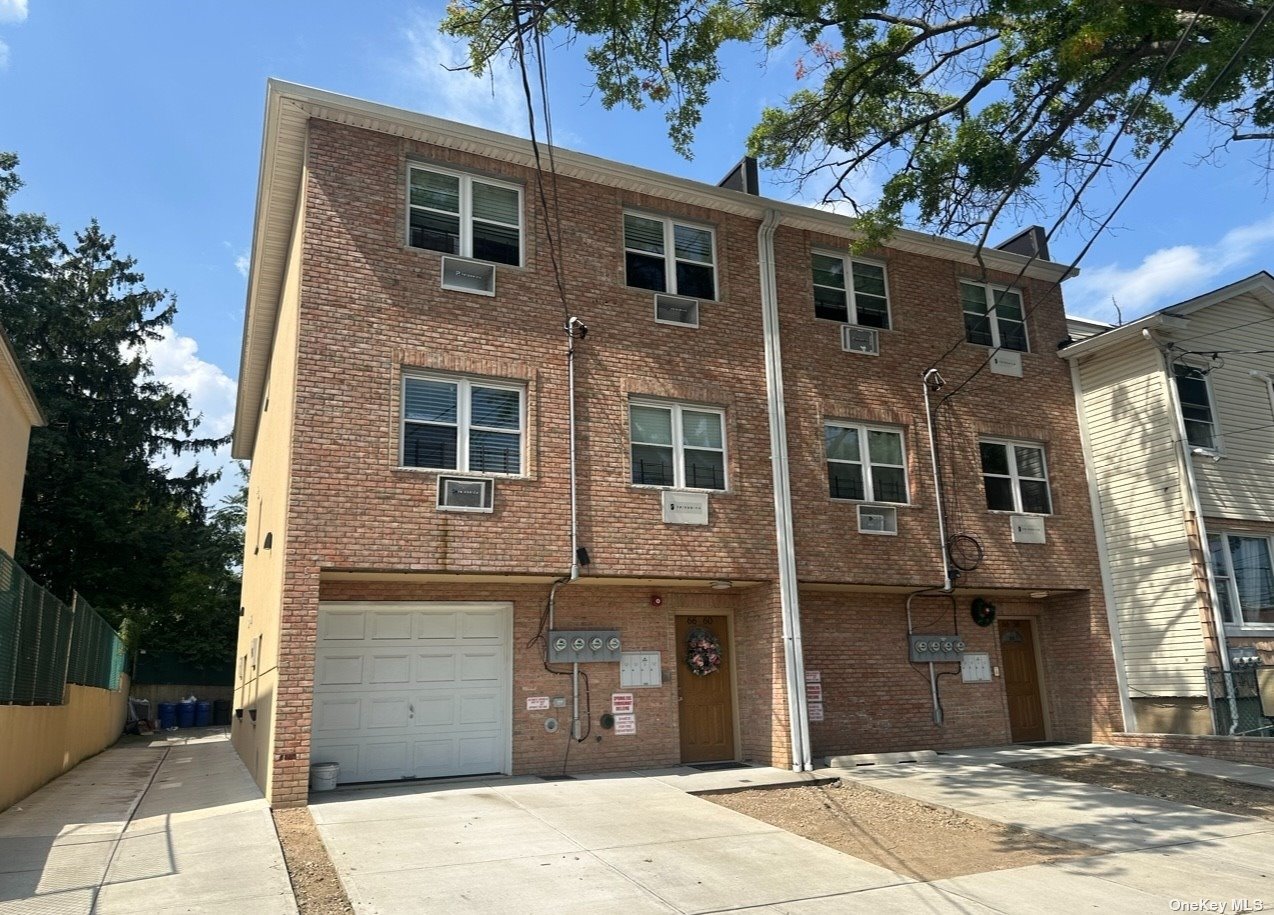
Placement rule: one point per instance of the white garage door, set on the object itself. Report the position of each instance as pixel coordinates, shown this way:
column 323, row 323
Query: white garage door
column 412, row 690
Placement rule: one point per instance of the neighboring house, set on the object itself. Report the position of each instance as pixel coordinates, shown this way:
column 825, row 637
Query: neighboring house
column 1178, row 415
column 753, row 485
column 19, row 413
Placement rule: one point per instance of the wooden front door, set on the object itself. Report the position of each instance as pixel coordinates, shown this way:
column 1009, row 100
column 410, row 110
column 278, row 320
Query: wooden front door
column 705, row 705
column 1021, row 680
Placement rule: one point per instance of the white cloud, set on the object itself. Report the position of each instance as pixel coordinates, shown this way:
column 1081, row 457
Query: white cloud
column 4, row 55
column 864, row 187
column 1168, row 275
column 495, row 101
column 13, row 10
column 241, row 263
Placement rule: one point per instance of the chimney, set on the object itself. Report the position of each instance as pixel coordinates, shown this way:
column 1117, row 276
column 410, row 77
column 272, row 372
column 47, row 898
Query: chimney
column 1030, row 241
column 743, row 177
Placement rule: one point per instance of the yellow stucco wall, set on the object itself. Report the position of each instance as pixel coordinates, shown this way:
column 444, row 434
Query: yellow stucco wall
column 15, row 431
column 268, row 486
column 38, row 743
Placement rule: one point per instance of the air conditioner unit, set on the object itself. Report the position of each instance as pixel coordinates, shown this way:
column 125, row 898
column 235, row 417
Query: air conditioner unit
column 855, row 339
column 465, row 494
column 462, row 275
column 1006, row 362
column 877, row 519
column 672, row 309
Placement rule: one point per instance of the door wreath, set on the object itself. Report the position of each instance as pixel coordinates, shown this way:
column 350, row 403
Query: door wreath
column 703, row 652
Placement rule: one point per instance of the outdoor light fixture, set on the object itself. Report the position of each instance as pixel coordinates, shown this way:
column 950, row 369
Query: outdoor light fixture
column 721, row 585
column 1039, row 595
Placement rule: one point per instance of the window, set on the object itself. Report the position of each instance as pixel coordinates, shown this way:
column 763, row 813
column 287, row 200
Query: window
column 863, row 301
column 1244, row 574
column 1196, row 406
column 469, row 217
column 993, row 316
column 458, row 424
column 678, row 446
column 1015, row 477
column 865, row 464
column 648, row 244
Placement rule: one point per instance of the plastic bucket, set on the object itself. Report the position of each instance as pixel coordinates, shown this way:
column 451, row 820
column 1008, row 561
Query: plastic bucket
column 167, row 715
column 203, row 713
column 323, row 776
column 185, row 714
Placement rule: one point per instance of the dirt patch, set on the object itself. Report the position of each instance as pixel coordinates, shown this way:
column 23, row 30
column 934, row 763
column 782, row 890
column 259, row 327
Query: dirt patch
column 904, row 835
column 318, row 890
column 1153, row 781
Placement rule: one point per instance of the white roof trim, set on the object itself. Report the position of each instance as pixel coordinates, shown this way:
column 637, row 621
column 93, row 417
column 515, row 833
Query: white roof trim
column 289, row 107
column 14, row 377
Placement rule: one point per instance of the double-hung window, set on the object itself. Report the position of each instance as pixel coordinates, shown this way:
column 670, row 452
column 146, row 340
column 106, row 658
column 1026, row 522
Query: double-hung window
column 993, row 316
column 471, row 217
column 1244, row 575
column 454, row 423
column 668, row 256
column 1015, row 477
column 865, row 464
column 850, row 291
column 677, row 445
column 1196, row 406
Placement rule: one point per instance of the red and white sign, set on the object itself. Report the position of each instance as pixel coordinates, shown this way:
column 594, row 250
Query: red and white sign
column 625, row 724
column 813, row 676
column 621, row 703
column 816, row 711
column 813, row 692
column 536, row 703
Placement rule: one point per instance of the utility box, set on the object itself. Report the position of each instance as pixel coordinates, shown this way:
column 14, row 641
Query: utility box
column 581, row 646
column 640, row 668
column 936, row 648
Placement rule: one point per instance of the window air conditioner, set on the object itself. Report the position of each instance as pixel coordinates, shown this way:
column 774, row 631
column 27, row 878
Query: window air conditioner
column 463, row 275
column 855, row 339
column 672, row 309
column 877, row 519
column 465, row 494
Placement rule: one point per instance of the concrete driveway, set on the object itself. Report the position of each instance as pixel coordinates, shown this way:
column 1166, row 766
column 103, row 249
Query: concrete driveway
column 642, row 843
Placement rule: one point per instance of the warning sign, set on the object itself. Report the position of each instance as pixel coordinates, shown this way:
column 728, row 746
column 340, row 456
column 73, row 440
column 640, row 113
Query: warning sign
column 816, row 711
column 813, row 676
column 621, row 703
column 814, row 692
column 536, row 703
column 625, row 724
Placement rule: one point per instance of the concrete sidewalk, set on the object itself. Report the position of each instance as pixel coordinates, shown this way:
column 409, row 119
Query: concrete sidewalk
column 642, row 842
column 163, row 824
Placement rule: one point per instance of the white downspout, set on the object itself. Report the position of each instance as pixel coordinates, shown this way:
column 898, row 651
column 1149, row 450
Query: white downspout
column 789, row 598
column 1269, row 384
column 1196, row 506
column 1103, row 558
column 571, row 328
column 932, row 377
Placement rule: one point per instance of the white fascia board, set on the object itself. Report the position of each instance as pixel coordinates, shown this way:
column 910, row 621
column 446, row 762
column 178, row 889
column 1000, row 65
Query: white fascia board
column 11, row 373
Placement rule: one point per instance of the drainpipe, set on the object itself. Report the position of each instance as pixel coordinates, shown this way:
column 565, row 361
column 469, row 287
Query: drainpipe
column 1269, row 384
column 1103, row 557
column 573, row 326
column 1196, row 506
column 933, row 381
column 789, row 598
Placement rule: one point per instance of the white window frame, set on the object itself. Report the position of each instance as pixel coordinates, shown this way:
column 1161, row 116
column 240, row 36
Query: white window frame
column 670, row 255
column 1214, row 420
column 993, row 318
column 851, row 295
column 1226, row 579
column 864, row 454
column 466, row 212
column 464, row 385
column 678, row 445
column 1014, row 477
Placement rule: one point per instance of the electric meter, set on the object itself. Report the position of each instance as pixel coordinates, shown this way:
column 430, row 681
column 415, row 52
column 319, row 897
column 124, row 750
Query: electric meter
column 596, row 643
column 559, row 643
column 613, row 644
column 578, row 644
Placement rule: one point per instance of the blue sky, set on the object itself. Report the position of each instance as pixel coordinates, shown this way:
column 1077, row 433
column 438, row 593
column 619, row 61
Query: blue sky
column 147, row 116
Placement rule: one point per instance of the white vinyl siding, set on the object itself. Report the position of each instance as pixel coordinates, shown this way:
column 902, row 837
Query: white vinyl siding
column 1130, row 420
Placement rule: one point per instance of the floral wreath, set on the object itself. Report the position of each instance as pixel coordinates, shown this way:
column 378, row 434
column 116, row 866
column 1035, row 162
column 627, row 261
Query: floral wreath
column 703, row 652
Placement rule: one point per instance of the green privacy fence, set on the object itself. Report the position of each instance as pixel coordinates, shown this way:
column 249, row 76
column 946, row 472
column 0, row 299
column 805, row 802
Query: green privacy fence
column 44, row 644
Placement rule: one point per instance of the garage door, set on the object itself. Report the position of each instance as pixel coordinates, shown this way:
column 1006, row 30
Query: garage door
column 412, row 690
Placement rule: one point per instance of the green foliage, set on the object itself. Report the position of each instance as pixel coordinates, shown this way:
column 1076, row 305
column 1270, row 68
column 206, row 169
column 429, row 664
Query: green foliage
column 101, row 513
column 968, row 107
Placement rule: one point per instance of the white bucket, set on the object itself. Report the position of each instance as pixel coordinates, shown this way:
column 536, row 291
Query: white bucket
column 323, row 776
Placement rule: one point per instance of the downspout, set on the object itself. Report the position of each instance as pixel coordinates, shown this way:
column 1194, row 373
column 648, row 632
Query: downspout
column 1269, row 384
column 1103, row 557
column 934, row 380
column 789, row 598
column 573, row 326
column 1196, row 506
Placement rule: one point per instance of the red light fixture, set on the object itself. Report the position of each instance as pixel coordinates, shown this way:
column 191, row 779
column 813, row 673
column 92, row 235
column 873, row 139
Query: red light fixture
column 656, row 600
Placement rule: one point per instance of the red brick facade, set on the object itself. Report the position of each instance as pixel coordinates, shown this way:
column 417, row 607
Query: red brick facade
column 371, row 308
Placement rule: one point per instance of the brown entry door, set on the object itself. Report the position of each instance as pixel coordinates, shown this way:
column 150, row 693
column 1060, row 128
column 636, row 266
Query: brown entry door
column 706, row 711
column 1021, row 680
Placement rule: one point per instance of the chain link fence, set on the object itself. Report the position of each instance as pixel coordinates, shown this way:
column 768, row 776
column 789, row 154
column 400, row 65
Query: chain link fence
column 1238, row 691
column 44, row 644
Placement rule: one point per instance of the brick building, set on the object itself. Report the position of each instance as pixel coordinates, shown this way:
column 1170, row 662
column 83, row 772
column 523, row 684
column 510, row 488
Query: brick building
column 752, row 471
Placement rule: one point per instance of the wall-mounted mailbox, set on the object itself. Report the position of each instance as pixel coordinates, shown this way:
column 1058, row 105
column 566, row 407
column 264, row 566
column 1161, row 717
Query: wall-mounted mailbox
column 640, row 668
